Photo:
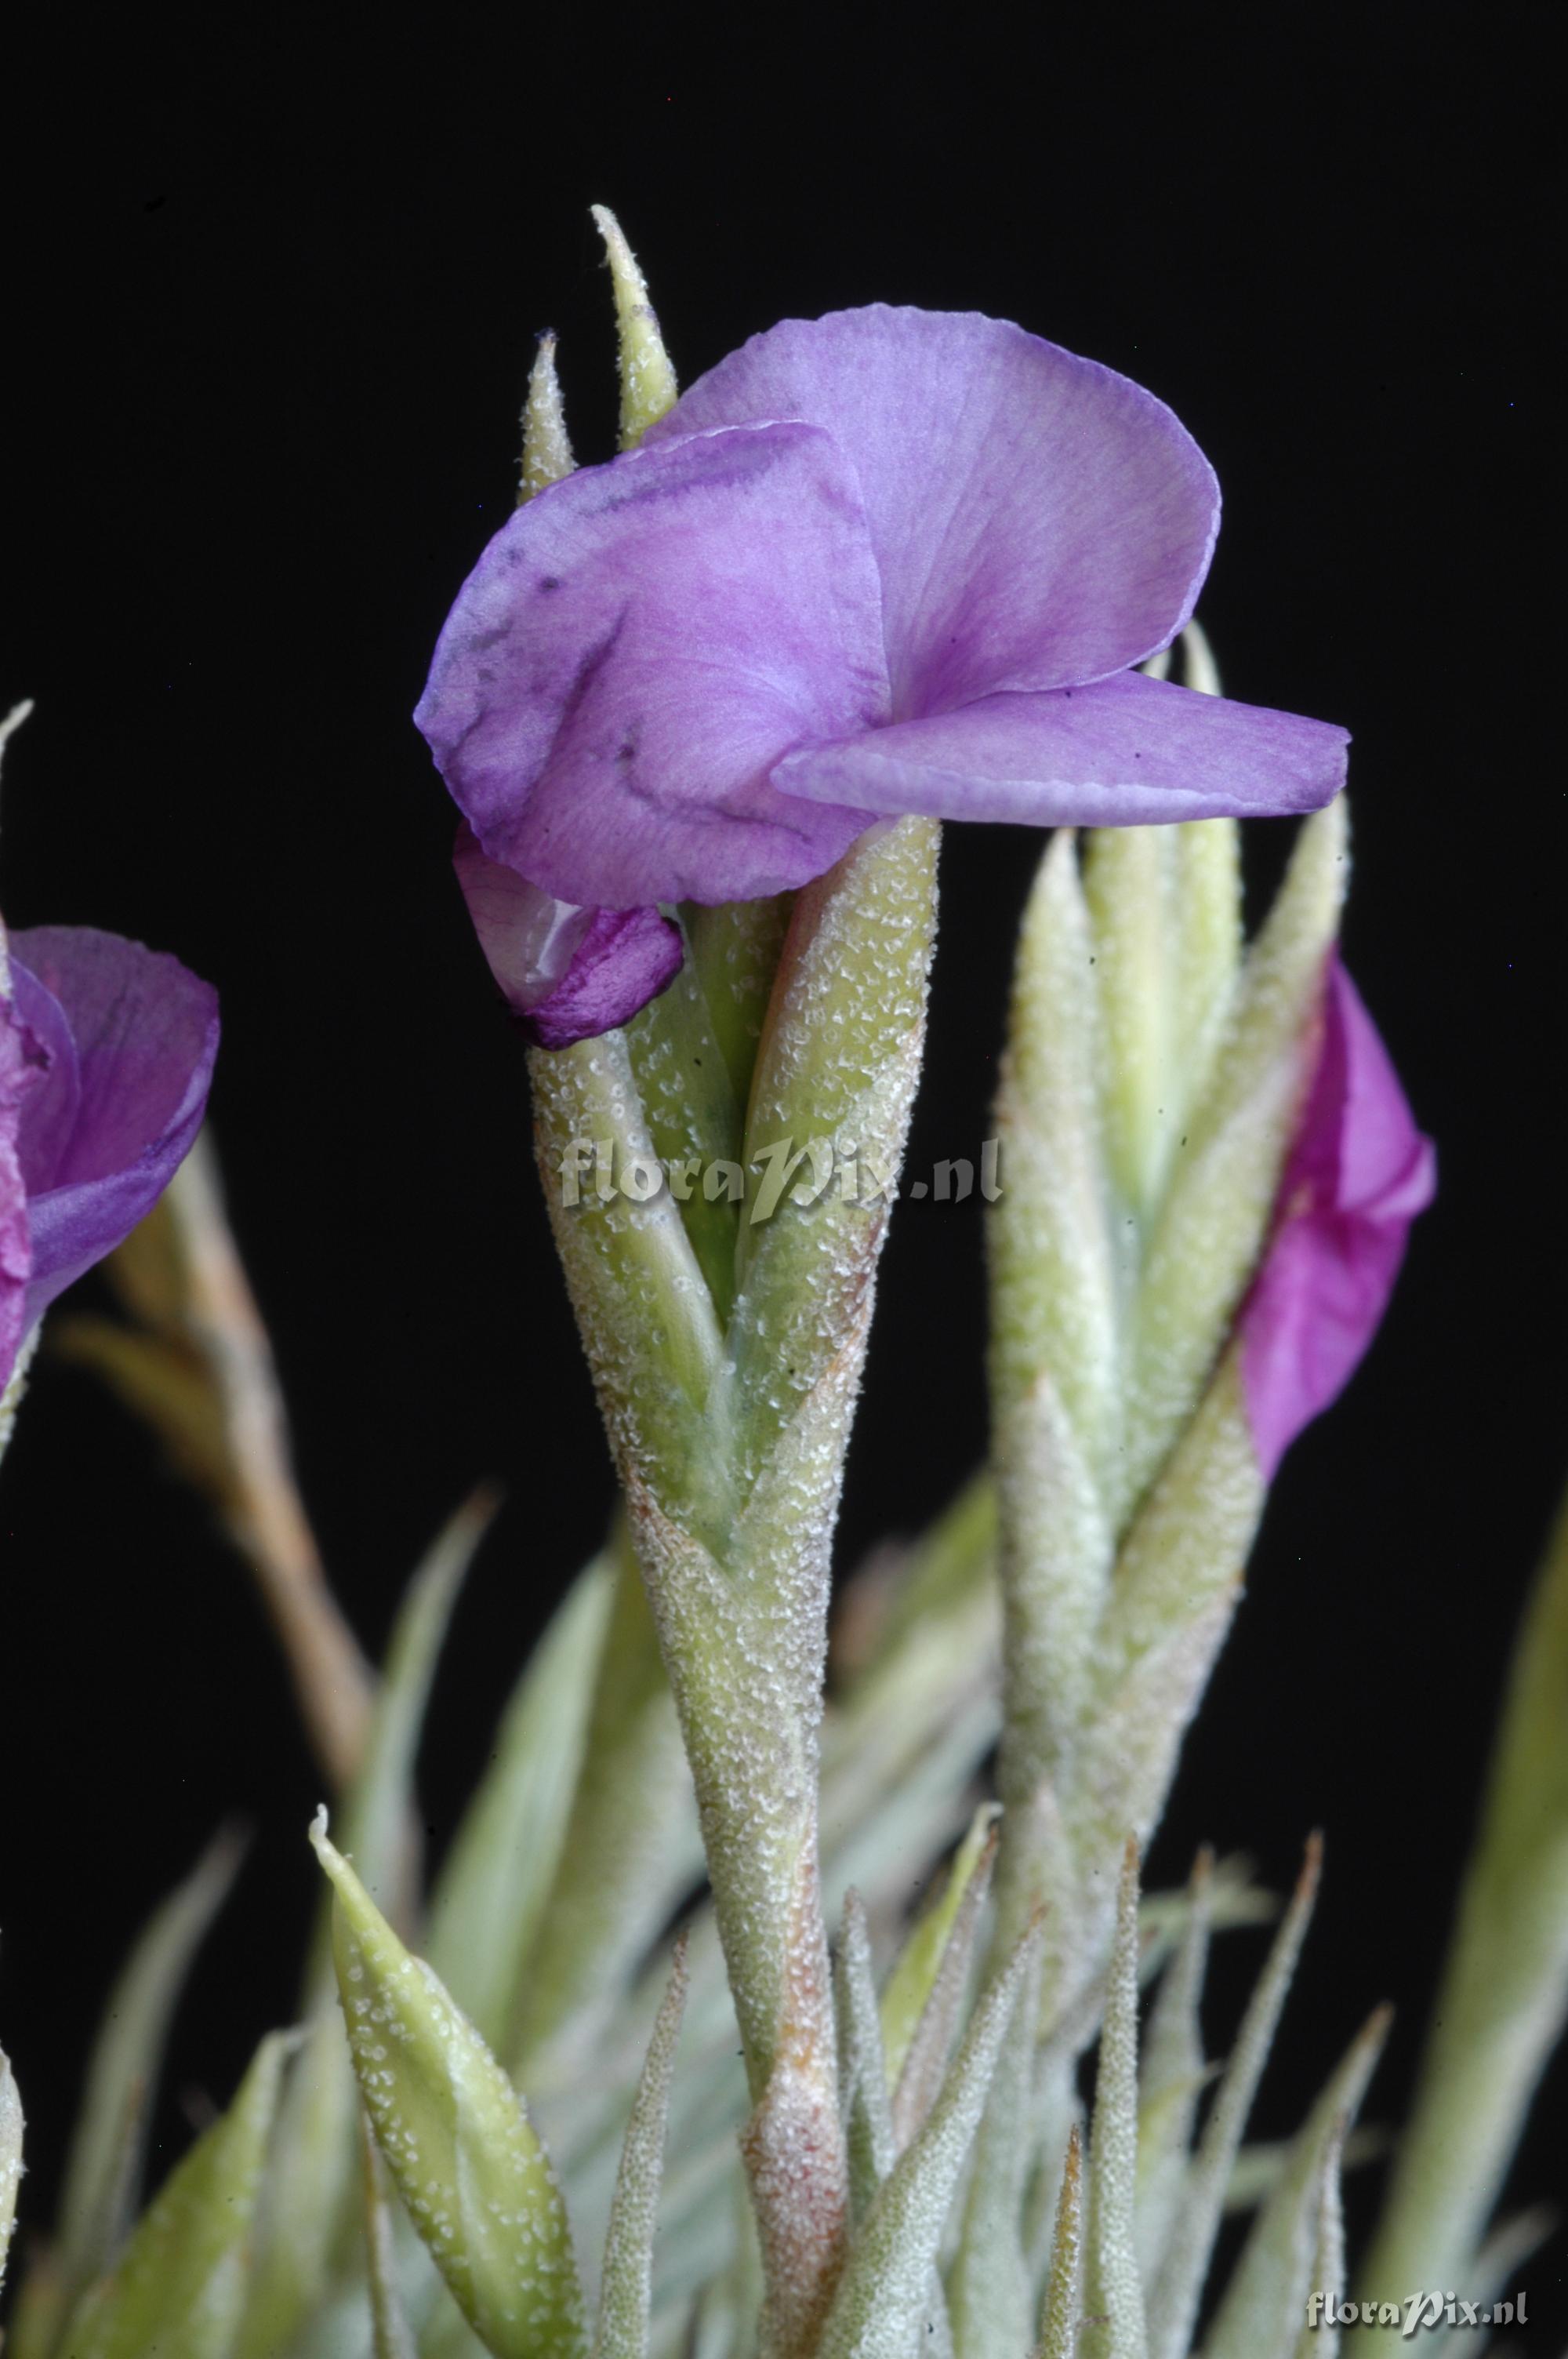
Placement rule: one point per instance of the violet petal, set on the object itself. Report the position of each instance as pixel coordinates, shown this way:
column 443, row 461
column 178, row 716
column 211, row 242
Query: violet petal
column 1037, row 519
column 565, row 972
column 1124, row 751
column 23, row 1066
column 1357, row 1175
column 636, row 649
column 145, row 1033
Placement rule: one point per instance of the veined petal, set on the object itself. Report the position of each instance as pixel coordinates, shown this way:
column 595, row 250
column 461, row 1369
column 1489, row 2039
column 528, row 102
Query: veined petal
column 23, row 1066
column 636, row 649
column 565, row 972
column 1037, row 519
column 1358, row 1174
column 1125, row 752
column 145, row 1033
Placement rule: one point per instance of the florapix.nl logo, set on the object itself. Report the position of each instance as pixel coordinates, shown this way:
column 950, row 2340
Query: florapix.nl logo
column 600, row 1170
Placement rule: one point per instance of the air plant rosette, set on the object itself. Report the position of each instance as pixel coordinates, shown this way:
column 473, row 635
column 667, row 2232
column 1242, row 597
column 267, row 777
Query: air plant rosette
column 703, row 710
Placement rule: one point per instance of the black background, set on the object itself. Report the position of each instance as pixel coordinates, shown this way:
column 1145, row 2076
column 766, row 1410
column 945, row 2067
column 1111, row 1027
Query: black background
column 269, row 300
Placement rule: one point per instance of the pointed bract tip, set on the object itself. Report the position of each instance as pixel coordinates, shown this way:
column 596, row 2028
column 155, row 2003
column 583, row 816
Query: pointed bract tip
column 318, row 1829
column 1312, row 1867
column 648, row 385
column 546, row 446
column 13, row 720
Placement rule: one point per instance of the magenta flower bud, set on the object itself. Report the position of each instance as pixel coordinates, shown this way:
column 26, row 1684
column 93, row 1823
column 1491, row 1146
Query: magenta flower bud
column 885, row 562
column 1357, row 1175
column 106, row 1054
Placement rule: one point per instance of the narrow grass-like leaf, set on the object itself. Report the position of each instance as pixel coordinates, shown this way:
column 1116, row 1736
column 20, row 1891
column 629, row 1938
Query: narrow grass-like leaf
column 10, row 2157
column 391, row 2334
column 913, row 1977
column 1178, row 2287
column 1503, row 2000
column 376, row 1813
column 990, row 2294
column 884, row 2298
column 1060, row 2310
column 626, row 2288
column 1113, row 2290
column 630, row 1853
column 490, row 1894
column 179, row 2285
column 1172, row 2076
column 478, row 2183
column 1266, row 2297
column 104, row 2174
column 925, row 2058
column 309, row 2217
column 1326, row 2273
column 863, row 2065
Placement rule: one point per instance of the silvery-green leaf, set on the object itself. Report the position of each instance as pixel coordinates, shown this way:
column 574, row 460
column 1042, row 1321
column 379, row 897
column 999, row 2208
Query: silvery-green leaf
column 929, row 2045
column 630, row 1851
column 1171, row 2077
column 643, row 1306
column 909, row 1987
column 862, row 2065
column 304, row 2216
column 647, row 380
column 1178, row 2289
column 491, row 1893
column 1504, row 1995
column 837, row 1061
column 1177, row 1581
column 694, row 1119
column 1326, row 2273
column 626, row 2284
column 1113, row 2288
column 376, row 1810
column 1266, row 2297
column 1489, row 2276
column 104, row 2172
column 1261, row 2163
column 734, row 952
column 308, row 2220
column 1062, row 2308
column 884, row 2293
column 990, row 2292
column 10, row 2157
column 179, row 2286
column 1205, row 1240
column 391, row 2334
column 472, row 2173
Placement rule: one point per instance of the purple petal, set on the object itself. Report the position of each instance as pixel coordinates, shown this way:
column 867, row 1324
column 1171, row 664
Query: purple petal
column 565, row 972
column 23, row 1064
column 636, row 649
column 143, row 1033
column 1037, row 519
column 1125, row 752
column 1357, row 1175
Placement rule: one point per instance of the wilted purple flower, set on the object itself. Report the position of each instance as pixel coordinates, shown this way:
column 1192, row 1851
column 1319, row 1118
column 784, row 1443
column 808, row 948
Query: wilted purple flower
column 885, row 561
column 106, row 1055
column 1358, row 1174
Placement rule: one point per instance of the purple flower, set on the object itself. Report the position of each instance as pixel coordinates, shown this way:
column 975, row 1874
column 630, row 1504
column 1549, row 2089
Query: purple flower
column 565, row 972
column 1358, row 1174
column 884, row 562
column 106, row 1055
